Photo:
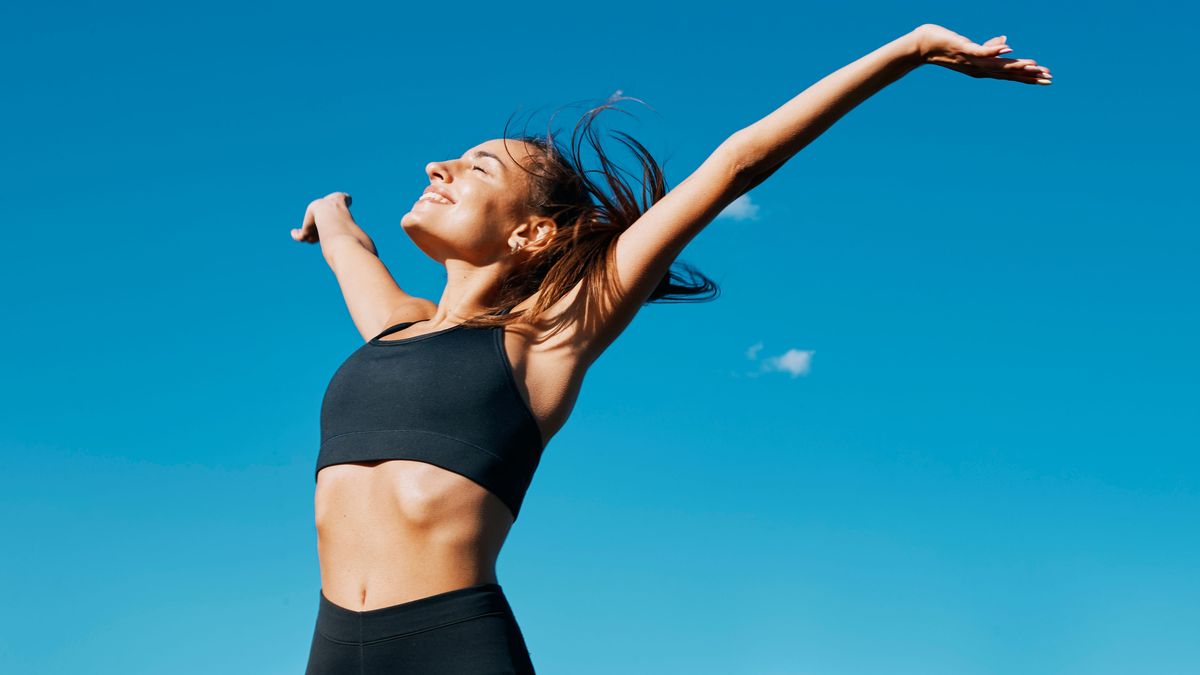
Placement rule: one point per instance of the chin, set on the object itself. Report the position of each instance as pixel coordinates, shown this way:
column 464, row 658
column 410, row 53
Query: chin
column 410, row 220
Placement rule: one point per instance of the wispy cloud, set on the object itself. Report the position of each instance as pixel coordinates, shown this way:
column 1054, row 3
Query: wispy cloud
column 740, row 209
column 795, row 362
column 752, row 353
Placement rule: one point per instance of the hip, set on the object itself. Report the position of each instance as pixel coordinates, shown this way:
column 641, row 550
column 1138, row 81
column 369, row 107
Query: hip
column 464, row 631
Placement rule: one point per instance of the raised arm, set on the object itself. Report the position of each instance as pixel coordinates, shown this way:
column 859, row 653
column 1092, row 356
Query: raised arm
column 645, row 251
column 372, row 295
column 768, row 143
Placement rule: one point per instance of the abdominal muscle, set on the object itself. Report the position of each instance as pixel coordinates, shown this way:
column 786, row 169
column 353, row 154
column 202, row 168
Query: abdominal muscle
column 397, row 530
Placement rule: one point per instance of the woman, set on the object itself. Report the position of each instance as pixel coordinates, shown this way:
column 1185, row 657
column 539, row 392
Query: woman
column 432, row 430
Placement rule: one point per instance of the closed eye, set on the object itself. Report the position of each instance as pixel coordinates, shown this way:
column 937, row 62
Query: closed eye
column 478, row 169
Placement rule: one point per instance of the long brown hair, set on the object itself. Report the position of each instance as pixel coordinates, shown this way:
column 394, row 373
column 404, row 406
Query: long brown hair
column 588, row 220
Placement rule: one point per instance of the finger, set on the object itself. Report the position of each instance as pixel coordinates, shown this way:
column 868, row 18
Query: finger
column 1026, row 66
column 310, row 219
column 1009, row 64
column 1030, row 76
column 993, row 47
column 1025, row 79
column 344, row 196
column 997, row 46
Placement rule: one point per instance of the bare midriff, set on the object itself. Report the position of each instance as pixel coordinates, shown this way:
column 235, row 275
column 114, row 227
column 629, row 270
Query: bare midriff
column 398, row 530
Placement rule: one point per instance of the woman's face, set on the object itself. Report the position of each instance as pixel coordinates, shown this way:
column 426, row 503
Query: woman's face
column 488, row 194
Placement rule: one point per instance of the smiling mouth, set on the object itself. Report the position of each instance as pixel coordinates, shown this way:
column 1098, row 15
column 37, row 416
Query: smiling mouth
column 434, row 198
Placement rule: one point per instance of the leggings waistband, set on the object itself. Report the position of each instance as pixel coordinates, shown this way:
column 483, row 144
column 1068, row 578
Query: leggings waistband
column 347, row 625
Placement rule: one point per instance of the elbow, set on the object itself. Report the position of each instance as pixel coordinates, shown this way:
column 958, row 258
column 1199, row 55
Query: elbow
column 741, row 160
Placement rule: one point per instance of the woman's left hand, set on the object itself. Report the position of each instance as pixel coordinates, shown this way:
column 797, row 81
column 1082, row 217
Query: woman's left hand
column 943, row 47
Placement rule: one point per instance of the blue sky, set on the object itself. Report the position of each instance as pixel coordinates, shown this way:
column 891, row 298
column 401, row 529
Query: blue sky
column 935, row 423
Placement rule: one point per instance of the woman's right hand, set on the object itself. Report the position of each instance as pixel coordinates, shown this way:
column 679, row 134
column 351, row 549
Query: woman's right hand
column 332, row 205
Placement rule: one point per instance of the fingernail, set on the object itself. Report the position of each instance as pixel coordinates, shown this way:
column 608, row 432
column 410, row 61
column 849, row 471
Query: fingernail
column 1004, row 51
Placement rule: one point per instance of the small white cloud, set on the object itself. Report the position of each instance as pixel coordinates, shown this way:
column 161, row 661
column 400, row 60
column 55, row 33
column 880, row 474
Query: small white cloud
column 794, row 361
column 752, row 353
column 740, row 209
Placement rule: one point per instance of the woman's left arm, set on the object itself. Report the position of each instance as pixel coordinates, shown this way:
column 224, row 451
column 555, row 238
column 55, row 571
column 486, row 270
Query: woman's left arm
column 645, row 250
column 764, row 146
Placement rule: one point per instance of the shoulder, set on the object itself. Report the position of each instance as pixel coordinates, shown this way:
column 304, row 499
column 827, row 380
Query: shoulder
column 554, row 329
column 412, row 309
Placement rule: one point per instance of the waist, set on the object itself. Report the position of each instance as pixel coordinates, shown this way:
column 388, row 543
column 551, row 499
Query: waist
column 409, row 617
column 396, row 529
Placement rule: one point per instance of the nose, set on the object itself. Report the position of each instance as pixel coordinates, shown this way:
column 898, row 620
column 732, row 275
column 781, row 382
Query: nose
column 441, row 170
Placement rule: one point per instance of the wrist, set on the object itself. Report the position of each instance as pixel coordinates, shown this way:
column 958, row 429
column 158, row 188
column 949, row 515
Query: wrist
column 911, row 47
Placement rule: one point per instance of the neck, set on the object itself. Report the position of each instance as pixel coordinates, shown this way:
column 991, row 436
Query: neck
column 469, row 290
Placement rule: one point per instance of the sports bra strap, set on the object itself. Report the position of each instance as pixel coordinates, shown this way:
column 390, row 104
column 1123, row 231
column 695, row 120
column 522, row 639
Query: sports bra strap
column 402, row 326
column 393, row 329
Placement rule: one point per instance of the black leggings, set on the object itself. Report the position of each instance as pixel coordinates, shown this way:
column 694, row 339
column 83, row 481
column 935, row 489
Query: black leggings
column 466, row 631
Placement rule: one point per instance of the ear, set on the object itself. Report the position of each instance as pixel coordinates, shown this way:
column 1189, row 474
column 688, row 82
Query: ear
column 534, row 234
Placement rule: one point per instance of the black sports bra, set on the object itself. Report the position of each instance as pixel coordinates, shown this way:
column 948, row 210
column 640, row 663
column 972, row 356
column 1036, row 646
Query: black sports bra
column 448, row 398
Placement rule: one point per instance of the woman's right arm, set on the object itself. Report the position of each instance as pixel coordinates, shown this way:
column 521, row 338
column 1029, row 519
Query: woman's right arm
column 372, row 295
